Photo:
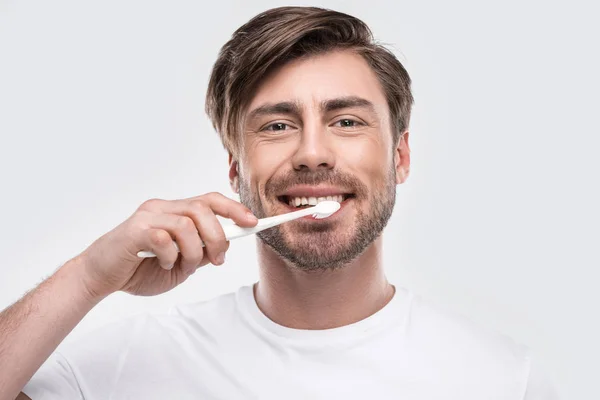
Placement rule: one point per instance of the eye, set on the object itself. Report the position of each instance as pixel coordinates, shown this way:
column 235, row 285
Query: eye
column 276, row 127
column 347, row 123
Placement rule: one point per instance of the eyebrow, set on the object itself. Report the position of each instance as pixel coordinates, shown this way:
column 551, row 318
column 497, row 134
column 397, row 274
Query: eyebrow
column 295, row 109
column 286, row 107
column 347, row 102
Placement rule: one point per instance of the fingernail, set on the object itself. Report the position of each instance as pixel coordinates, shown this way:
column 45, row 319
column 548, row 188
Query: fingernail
column 169, row 267
column 220, row 258
column 251, row 216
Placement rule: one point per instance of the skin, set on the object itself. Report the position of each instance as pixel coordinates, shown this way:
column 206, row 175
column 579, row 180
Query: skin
column 319, row 145
column 307, row 140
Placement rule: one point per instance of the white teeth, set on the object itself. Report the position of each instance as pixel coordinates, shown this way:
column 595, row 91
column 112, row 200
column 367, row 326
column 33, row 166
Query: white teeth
column 313, row 201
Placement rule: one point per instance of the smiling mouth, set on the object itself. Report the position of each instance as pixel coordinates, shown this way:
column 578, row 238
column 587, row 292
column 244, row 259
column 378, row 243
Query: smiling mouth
column 302, row 202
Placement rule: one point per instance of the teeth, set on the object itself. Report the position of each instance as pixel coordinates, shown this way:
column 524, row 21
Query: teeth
column 313, row 201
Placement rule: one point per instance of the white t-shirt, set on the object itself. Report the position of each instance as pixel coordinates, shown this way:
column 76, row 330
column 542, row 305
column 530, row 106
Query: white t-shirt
column 226, row 348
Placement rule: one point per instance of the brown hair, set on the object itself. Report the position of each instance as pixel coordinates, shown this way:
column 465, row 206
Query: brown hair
column 282, row 34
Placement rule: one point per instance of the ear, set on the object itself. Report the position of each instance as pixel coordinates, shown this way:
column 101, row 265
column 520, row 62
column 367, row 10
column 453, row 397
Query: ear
column 402, row 158
column 233, row 174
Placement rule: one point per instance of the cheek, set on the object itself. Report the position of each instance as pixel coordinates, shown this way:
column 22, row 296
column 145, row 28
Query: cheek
column 262, row 161
column 369, row 158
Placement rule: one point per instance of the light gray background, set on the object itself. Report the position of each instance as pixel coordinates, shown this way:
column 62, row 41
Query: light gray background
column 101, row 107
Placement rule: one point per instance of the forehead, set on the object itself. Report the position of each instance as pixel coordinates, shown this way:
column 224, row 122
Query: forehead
column 312, row 80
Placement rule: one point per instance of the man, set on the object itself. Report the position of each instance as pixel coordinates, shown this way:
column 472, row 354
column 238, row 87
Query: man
column 309, row 108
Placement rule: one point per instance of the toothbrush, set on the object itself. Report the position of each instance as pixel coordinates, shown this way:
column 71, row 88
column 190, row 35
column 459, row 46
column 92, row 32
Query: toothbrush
column 322, row 210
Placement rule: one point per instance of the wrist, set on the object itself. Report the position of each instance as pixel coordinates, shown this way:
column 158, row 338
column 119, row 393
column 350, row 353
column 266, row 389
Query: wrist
column 74, row 271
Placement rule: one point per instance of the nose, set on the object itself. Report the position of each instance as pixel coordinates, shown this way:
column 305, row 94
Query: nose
column 314, row 150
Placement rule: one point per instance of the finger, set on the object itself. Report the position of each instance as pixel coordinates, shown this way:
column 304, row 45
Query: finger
column 199, row 221
column 211, row 232
column 222, row 261
column 220, row 204
column 228, row 208
column 184, row 231
column 160, row 243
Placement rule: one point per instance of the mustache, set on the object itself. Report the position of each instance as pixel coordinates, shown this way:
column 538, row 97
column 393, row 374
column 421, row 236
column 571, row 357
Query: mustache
column 278, row 184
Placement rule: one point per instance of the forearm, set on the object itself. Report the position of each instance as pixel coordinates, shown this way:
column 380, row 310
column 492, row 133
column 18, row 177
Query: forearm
column 32, row 328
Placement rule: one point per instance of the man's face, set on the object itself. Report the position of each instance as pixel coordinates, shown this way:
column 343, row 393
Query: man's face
column 319, row 129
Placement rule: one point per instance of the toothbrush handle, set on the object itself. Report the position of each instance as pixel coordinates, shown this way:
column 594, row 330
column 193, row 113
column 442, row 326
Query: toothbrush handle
column 235, row 231
column 231, row 232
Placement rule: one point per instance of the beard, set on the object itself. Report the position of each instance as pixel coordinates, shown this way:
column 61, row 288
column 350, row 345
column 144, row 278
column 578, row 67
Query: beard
column 317, row 245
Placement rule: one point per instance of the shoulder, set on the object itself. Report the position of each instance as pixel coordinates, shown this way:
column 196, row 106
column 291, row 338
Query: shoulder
column 224, row 305
column 126, row 354
column 149, row 330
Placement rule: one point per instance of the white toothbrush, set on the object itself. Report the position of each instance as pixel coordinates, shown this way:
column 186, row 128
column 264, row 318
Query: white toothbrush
column 322, row 210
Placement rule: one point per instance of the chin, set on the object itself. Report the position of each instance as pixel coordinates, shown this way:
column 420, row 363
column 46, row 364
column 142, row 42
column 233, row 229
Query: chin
column 328, row 247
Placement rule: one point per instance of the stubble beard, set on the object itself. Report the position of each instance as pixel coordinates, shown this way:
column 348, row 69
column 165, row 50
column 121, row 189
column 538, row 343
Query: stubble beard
column 316, row 246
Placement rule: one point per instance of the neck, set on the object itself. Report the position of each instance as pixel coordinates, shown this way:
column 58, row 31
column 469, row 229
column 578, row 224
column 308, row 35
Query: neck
column 321, row 299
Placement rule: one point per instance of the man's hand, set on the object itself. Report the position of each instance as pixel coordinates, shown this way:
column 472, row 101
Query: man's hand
column 111, row 262
column 32, row 328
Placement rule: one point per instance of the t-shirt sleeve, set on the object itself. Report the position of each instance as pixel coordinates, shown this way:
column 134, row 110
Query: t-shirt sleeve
column 54, row 380
column 539, row 386
column 88, row 367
